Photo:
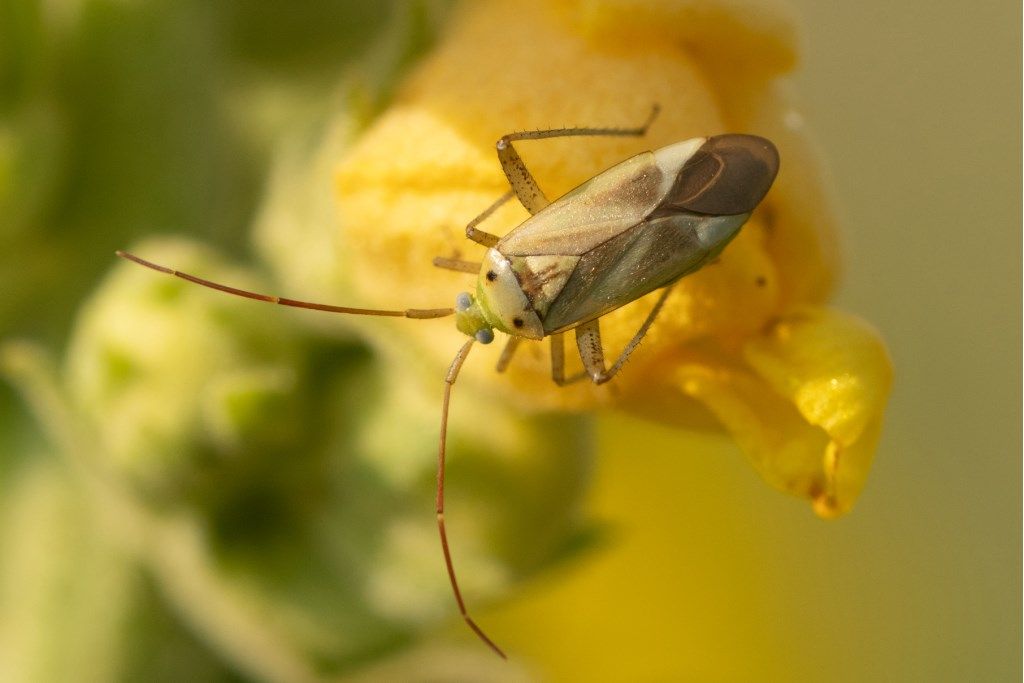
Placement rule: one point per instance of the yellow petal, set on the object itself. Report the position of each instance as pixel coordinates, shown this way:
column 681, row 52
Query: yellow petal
column 831, row 365
column 751, row 36
column 807, row 408
column 802, row 224
column 407, row 188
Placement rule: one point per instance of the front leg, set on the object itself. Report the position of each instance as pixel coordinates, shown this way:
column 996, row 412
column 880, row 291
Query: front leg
column 519, row 177
column 558, row 362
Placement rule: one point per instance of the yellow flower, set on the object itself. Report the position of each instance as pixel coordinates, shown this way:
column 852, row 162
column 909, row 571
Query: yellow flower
column 745, row 341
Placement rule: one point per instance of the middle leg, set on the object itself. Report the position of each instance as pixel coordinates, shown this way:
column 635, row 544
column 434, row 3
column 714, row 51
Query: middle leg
column 558, row 362
column 588, row 341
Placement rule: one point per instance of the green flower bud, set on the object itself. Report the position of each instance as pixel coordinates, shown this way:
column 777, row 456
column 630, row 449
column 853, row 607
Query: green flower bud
column 183, row 386
column 309, row 466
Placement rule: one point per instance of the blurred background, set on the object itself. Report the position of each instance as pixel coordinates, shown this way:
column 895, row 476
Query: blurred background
column 120, row 120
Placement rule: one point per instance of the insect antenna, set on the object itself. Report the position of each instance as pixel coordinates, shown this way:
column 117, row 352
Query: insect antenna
column 449, row 380
column 419, row 313
column 453, row 373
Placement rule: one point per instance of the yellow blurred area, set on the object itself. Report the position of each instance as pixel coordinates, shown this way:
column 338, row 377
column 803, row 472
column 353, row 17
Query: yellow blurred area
column 403, row 189
column 710, row 576
column 681, row 588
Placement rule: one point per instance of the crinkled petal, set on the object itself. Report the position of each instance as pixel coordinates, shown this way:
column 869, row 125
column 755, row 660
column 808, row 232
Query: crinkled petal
column 807, row 407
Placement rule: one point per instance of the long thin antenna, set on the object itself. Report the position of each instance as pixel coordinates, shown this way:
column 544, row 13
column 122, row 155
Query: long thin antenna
column 420, row 313
column 449, row 380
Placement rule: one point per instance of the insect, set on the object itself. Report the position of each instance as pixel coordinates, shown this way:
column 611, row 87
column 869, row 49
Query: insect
column 637, row 227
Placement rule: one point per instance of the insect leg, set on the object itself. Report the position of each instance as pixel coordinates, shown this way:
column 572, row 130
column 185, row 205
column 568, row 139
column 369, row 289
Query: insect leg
column 479, row 236
column 558, row 362
column 519, row 177
column 507, row 353
column 457, row 265
column 588, row 341
column 449, row 380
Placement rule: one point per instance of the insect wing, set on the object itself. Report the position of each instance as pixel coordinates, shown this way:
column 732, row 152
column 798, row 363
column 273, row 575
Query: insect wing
column 648, row 256
column 598, row 210
column 637, row 227
column 728, row 175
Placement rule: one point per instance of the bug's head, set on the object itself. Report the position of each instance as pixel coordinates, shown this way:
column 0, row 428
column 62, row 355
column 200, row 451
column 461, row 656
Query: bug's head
column 470, row 319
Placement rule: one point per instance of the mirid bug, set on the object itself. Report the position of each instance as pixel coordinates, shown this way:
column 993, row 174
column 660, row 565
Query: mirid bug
column 637, row 227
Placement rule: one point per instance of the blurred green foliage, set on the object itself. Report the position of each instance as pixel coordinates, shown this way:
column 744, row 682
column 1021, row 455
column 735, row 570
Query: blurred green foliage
column 118, row 119
column 219, row 490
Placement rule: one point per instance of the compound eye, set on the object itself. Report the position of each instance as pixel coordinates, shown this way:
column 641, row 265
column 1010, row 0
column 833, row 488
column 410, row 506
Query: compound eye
column 484, row 336
column 463, row 301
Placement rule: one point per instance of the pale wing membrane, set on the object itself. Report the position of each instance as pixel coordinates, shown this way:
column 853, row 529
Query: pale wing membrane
column 646, row 257
column 594, row 213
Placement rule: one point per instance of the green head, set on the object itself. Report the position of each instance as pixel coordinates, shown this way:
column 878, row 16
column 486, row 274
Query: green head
column 469, row 318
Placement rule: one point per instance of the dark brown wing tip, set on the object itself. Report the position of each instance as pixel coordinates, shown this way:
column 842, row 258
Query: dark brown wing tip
column 730, row 174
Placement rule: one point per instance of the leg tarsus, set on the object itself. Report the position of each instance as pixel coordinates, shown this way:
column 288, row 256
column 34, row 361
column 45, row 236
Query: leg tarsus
column 479, row 236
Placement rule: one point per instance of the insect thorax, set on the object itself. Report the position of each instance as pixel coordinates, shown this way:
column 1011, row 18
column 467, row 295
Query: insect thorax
column 502, row 300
